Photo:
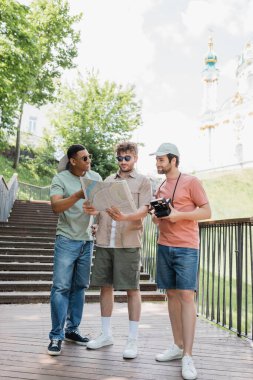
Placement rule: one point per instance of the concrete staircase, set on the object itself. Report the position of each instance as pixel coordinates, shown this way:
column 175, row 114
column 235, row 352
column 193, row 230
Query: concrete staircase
column 26, row 258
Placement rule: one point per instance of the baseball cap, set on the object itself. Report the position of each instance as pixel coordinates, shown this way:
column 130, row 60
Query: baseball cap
column 62, row 163
column 166, row 148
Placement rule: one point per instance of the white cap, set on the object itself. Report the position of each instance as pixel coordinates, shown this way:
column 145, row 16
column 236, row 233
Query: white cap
column 166, row 148
column 62, row 163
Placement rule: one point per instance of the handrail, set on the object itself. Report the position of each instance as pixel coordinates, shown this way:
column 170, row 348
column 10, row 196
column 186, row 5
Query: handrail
column 226, row 221
column 35, row 186
column 8, row 193
column 33, row 192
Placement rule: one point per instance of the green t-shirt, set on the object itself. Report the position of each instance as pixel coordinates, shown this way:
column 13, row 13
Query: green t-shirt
column 72, row 223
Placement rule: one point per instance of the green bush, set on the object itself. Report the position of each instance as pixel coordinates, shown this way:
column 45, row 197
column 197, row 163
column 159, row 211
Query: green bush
column 36, row 167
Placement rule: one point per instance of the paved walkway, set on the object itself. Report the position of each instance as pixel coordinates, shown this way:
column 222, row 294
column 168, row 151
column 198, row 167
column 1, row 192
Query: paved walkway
column 218, row 354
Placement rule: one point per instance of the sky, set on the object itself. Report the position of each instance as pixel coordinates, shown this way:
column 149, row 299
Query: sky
column 159, row 46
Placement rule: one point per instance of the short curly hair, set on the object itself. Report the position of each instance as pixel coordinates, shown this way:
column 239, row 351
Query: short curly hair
column 125, row 146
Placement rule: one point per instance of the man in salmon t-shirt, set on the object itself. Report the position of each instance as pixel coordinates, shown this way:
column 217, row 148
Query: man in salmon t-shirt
column 178, row 252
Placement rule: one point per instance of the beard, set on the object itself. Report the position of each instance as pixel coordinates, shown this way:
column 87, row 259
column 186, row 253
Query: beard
column 161, row 171
column 125, row 170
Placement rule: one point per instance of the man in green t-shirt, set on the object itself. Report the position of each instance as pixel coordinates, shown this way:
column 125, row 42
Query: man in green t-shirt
column 73, row 249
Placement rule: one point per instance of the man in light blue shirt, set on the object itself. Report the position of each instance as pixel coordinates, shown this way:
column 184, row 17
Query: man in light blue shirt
column 73, row 249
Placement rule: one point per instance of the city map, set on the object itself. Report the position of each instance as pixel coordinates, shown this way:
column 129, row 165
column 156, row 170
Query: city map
column 103, row 195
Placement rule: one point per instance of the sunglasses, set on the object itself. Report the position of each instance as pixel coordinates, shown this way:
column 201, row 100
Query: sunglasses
column 122, row 158
column 85, row 158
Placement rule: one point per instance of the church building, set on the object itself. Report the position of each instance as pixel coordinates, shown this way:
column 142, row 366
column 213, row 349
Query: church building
column 227, row 129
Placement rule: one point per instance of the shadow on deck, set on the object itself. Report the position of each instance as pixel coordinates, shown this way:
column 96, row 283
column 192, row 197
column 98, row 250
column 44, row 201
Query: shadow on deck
column 218, row 354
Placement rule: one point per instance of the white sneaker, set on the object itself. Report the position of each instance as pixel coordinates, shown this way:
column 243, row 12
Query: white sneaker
column 101, row 341
column 188, row 370
column 174, row 352
column 131, row 349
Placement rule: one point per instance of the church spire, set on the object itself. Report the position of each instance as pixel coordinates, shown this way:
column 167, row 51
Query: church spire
column 210, row 76
column 210, row 72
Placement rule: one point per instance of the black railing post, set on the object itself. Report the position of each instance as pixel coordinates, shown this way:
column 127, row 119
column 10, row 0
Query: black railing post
column 226, row 281
column 239, row 261
column 251, row 272
column 224, row 293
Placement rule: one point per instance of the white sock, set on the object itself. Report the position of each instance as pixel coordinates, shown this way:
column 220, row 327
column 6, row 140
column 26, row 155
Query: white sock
column 106, row 325
column 133, row 329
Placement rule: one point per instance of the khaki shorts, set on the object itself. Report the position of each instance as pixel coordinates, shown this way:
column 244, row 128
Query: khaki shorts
column 116, row 267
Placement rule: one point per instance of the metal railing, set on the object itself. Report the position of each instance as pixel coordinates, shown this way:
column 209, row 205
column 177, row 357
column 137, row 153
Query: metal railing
column 8, row 192
column 32, row 192
column 149, row 248
column 225, row 291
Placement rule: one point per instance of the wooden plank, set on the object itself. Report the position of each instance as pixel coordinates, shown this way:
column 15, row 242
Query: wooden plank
column 218, row 354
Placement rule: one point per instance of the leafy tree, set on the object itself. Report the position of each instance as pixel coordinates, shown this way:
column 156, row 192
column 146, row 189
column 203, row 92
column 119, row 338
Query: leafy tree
column 47, row 46
column 98, row 116
column 40, row 161
column 18, row 51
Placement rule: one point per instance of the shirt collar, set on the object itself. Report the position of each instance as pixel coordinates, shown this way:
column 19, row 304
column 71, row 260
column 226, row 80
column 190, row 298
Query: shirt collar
column 131, row 174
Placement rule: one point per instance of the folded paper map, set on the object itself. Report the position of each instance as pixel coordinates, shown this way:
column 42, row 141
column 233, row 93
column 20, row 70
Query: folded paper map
column 103, row 195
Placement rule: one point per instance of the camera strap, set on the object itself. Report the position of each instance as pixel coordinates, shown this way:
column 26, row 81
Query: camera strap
column 172, row 199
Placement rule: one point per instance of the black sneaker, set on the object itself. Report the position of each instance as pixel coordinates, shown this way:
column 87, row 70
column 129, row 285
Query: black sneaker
column 75, row 337
column 54, row 347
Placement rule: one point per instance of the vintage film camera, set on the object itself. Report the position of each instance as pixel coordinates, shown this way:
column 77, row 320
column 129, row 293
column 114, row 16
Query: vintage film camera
column 161, row 207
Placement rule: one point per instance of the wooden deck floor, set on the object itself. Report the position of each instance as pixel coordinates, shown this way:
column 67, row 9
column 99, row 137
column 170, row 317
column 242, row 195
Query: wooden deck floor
column 218, row 354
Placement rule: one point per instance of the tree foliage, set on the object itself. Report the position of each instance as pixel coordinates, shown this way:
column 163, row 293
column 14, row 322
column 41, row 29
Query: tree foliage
column 38, row 42
column 57, row 43
column 18, row 49
column 97, row 116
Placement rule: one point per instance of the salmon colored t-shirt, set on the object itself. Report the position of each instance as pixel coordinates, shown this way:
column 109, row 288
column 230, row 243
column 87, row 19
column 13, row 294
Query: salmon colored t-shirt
column 189, row 194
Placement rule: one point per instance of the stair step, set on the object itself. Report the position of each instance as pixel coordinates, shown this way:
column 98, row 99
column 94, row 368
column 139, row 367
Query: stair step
column 23, row 244
column 23, row 211
column 20, row 232
column 26, row 258
column 18, row 227
column 32, row 218
column 26, row 251
column 34, row 286
column 40, row 239
column 33, row 214
column 26, row 276
column 25, row 266
column 35, row 223
column 39, row 276
column 41, row 204
column 91, row 296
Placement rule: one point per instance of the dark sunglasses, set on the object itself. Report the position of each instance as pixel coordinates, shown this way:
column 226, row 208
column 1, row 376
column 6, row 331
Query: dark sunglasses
column 85, row 158
column 126, row 158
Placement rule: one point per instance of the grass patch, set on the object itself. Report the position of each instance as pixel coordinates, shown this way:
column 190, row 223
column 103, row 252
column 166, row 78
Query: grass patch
column 230, row 193
column 25, row 174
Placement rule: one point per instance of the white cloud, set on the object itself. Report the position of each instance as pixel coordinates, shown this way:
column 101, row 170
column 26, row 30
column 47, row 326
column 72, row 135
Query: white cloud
column 234, row 16
column 172, row 126
column 113, row 40
column 171, row 32
column 247, row 20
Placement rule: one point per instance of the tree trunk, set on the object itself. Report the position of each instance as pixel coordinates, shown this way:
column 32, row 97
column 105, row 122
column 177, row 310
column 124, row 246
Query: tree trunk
column 17, row 151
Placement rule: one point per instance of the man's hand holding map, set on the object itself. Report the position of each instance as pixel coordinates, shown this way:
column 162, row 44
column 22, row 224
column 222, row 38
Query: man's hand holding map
column 104, row 195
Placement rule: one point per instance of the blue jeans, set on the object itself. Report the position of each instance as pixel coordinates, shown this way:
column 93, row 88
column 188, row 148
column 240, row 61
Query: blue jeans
column 177, row 267
column 72, row 264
